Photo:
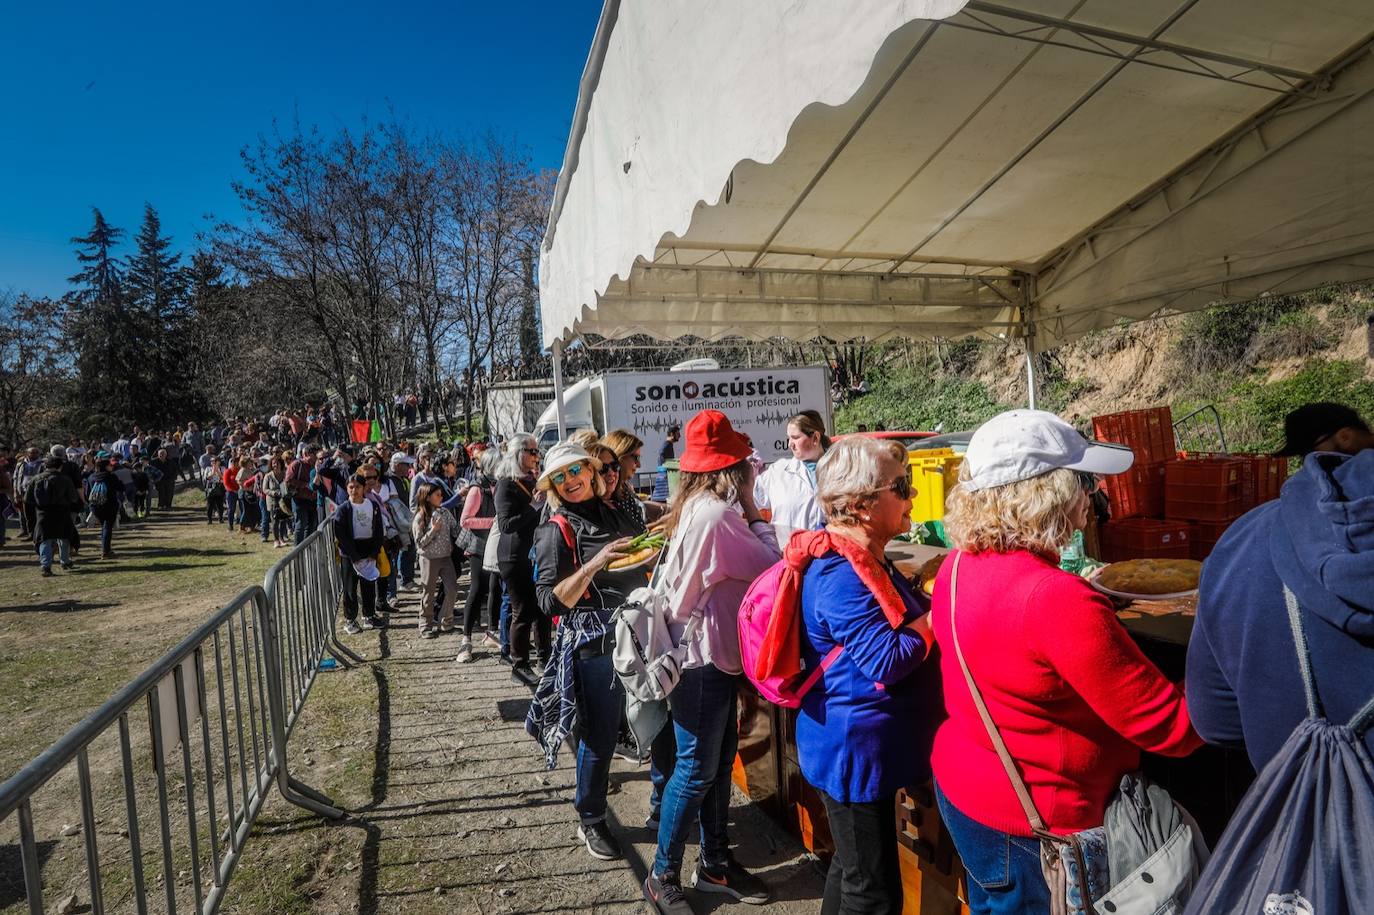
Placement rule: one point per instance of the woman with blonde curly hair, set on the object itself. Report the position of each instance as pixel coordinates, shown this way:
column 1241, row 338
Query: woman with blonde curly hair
column 1073, row 698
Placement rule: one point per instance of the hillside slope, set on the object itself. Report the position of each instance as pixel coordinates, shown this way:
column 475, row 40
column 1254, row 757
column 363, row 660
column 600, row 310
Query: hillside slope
column 1253, row 362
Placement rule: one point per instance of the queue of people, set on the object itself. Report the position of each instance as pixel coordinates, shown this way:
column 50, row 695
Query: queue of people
column 1014, row 688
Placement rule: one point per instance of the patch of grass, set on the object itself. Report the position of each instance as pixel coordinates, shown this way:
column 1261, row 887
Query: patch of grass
column 905, row 399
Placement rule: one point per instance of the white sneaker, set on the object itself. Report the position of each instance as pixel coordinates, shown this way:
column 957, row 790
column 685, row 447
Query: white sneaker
column 490, row 641
column 352, row 628
column 464, row 651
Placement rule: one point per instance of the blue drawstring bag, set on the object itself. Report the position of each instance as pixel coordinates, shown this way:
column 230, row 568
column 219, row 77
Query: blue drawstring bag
column 1300, row 842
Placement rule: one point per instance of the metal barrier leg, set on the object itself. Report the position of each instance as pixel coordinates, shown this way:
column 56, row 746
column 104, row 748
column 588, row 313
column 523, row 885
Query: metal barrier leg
column 290, row 789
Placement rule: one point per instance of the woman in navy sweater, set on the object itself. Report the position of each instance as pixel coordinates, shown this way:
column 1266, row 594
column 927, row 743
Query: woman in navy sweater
column 864, row 728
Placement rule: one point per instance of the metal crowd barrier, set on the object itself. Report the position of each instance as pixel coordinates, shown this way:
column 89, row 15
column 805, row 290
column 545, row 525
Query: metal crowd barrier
column 219, row 709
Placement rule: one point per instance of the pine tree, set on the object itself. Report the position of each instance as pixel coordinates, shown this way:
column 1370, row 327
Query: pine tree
column 156, row 288
column 99, row 281
column 104, row 333
column 154, row 279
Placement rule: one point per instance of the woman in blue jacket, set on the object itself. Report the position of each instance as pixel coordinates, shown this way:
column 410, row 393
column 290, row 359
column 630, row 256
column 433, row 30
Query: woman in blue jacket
column 864, row 729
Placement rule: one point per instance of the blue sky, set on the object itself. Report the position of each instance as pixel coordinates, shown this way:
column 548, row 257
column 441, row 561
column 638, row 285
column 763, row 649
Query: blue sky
column 112, row 104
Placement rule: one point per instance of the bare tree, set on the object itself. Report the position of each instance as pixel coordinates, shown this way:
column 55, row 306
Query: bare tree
column 32, row 384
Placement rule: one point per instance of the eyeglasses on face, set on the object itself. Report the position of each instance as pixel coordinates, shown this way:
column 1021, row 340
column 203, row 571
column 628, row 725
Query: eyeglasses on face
column 901, row 487
column 533, row 451
column 610, row 467
column 573, row 470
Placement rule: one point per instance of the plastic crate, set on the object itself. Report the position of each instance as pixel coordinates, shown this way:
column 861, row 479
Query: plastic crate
column 1270, row 476
column 1137, row 493
column 1149, row 433
column 933, row 474
column 1145, row 538
column 1204, row 489
column 1205, row 535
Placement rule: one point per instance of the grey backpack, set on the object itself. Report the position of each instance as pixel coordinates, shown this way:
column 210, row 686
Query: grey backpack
column 1299, row 842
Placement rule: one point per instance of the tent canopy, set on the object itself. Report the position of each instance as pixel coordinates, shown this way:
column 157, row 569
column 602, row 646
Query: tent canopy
column 937, row 168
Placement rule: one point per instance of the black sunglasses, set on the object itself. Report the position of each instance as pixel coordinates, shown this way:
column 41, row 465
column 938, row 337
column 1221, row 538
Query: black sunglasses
column 534, row 451
column 610, row 467
column 901, row 487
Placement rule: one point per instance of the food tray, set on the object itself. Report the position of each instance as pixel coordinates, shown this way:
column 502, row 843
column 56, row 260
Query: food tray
column 1126, row 595
column 643, row 563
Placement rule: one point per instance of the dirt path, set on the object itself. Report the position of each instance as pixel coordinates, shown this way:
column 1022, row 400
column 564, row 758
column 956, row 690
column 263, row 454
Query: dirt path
column 453, row 810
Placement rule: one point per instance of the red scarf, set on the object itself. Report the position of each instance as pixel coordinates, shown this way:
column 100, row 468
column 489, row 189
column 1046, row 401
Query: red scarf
column 781, row 652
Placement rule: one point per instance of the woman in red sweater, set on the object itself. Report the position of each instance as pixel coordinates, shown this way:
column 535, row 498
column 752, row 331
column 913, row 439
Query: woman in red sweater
column 1073, row 697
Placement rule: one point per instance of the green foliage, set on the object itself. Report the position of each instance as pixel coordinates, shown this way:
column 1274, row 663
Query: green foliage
column 1252, row 411
column 906, row 399
column 1219, row 339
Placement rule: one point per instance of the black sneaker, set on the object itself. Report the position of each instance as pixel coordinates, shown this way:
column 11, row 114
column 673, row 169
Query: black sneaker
column 732, row 880
column 600, row 841
column 68, row 566
column 47, row 573
column 665, row 894
column 372, row 622
column 651, row 821
column 521, row 672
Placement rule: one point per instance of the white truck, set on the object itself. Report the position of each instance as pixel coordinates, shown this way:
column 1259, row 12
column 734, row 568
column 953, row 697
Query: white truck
column 758, row 402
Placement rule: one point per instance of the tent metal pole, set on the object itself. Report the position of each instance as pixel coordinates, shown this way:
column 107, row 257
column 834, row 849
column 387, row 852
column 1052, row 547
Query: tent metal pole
column 558, row 389
column 1028, row 337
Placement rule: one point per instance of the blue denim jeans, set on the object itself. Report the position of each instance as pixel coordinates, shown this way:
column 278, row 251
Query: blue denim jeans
column 1004, row 875
column 600, row 699
column 106, row 533
column 264, row 517
column 505, row 622
column 706, row 727
column 231, row 504
column 63, row 551
column 304, row 510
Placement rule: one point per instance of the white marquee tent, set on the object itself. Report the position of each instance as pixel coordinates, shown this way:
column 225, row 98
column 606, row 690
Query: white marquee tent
column 1028, row 169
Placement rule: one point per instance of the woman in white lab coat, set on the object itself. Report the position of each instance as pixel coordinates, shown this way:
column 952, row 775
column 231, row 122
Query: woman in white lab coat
column 788, row 487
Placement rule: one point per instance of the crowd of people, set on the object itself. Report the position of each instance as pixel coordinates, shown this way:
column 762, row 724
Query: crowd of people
column 1027, row 709
column 1029, row 714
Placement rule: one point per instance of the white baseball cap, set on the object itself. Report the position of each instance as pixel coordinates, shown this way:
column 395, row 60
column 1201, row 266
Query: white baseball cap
column 1021, row 444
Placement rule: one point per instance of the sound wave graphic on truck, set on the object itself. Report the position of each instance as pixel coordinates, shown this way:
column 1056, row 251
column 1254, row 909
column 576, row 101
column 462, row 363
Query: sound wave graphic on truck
column 717, row 390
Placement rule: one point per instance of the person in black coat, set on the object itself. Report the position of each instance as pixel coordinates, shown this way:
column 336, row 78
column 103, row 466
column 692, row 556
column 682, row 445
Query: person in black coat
column 516, row 518
column 54, row 499
column 102, row 493
column 358, row 531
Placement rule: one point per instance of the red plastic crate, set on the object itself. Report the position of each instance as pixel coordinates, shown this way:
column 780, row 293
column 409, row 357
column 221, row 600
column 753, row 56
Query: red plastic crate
column 1262, row 475
column 1204, row 489
column 1205, row 535
column 1137, row 493
column 1149, row 433
column 1270, row 476
column 1145, row 538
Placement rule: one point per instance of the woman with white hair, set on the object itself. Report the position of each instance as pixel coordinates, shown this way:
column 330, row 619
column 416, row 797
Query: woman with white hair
column 865, row 725
column 1056, row 675
column 516, row 518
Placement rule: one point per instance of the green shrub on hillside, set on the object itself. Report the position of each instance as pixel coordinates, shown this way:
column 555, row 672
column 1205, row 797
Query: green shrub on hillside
column 908, row 399
column 1252, row 411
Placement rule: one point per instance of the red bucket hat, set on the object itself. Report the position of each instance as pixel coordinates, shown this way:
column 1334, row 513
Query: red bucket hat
column 712, row 443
